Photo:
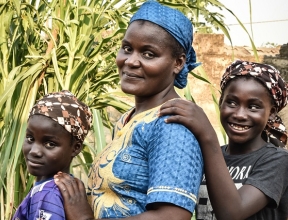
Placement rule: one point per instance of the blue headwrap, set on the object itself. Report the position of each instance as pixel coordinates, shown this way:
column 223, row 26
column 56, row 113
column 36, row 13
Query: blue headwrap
column 178, row 25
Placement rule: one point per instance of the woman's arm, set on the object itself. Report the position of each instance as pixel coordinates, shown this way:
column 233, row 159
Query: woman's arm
column 227, row 201
column 77, row 207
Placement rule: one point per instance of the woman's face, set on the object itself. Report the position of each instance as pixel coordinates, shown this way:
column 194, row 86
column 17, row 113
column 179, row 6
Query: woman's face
column 244, row 111
column 48, row 147
column 145, row 63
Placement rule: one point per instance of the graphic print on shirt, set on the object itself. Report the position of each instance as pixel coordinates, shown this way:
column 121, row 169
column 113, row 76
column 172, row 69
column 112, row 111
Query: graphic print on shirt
column 44, row 215
column 204, row 209
column 101, row 191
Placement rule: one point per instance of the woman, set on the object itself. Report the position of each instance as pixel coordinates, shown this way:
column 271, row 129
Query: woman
column 151, row 170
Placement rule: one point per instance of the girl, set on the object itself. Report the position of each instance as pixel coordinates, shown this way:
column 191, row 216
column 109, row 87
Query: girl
column 57, row 126
column 151, row 170
column 255, row 185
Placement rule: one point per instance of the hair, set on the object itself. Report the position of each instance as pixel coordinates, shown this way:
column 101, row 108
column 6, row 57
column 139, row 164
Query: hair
column 175, row 46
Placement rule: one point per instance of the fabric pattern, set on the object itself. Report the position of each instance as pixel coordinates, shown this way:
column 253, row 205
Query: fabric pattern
column 64, row 108
column 270, row 77
column 260, row 170
column 44, row 202
column 148, row 161
column 178, row 25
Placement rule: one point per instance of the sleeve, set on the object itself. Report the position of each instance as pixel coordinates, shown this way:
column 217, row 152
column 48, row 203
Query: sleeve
column 47, row 205
column 270, row 175
column 175, row 165
column 22, row 210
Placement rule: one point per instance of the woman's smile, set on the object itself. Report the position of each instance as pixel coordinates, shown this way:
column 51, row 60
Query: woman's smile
column 146, row 67
column 132, row 75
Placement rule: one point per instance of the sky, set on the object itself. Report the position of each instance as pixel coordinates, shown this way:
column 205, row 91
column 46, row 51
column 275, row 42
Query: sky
column 270, row 21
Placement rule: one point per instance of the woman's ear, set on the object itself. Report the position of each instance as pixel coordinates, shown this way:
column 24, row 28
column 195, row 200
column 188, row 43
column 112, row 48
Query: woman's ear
column 77, row 147
column 180, row 62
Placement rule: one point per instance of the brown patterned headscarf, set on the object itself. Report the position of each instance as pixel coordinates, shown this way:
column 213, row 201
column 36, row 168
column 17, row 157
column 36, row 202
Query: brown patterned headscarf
column 277, row 87
column 64, row 108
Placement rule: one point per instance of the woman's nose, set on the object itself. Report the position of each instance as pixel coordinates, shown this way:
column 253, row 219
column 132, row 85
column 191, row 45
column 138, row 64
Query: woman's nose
column 133, row 60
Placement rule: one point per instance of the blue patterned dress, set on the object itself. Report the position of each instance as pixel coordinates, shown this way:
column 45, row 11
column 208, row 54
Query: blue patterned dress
column 148, row 161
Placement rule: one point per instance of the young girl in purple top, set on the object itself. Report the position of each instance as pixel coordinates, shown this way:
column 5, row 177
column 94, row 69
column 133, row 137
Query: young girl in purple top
column 57, row 126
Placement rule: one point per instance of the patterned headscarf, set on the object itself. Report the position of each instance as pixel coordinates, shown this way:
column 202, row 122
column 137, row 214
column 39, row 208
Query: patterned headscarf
column 64, row 108
column 178, row 25
column 277, row 87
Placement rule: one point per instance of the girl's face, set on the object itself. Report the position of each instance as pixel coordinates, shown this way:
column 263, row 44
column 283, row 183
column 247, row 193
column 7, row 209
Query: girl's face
column 245, row 109
column 48, row 147
column 145, row 63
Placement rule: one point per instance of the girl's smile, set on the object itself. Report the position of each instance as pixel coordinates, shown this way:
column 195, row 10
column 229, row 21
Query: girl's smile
column 244, row 111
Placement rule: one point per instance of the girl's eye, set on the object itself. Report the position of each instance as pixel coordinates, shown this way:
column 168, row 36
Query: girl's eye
column 29, row 138
column 254, row 107
column 50, row 145
column 148, row 55
column 231, row 103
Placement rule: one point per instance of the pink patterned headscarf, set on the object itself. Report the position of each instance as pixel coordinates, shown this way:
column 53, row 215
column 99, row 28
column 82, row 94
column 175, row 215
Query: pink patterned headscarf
column 64, row 108
column 270, row 77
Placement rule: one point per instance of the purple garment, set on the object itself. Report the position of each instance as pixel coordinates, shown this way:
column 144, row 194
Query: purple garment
column 44, row 202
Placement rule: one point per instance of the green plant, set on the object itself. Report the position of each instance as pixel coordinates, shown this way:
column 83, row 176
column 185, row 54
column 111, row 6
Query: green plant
column 49, row 47
column 63, row 44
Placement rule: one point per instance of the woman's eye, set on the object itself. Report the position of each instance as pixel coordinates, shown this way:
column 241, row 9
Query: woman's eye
column 50, row 145
column 127, row 49
column 148, row 55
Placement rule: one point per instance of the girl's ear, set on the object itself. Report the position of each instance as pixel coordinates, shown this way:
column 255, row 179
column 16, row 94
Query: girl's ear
column 77, row 147
column 180, row 62
column 273, row 113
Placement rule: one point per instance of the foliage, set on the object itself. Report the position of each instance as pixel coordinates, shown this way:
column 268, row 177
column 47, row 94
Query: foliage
column 49, row 47
column 63, row 44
